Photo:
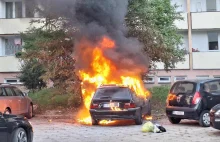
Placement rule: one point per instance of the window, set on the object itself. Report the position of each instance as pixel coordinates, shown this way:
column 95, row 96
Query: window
column 211, row 5
column 179, row 78
column 202, row 77
column 18, row 92
column 165, row 79
column 213, row 40
column 12, row 81
column 2, row 92
column 198, row 7
column 148, row 79
column 184, row 87
column 216, row 76
column 9, row 91
column 212, row 87
column 18, row 9
column 12, row 45
column 9, row 10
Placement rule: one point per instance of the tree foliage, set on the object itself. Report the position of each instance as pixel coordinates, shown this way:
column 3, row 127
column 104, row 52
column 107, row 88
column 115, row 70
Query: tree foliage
column 31, row 72
column 152, row 22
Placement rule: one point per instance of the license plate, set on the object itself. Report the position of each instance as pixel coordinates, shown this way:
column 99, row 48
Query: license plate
column 111, row 105
column 178, row 112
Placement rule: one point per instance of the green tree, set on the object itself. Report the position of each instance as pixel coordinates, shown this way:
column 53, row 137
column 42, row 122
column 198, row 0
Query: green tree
column 152, row 22
column 31, row 72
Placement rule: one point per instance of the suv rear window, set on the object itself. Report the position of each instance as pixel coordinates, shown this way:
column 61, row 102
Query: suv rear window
column 184, row 88
column 112, row 92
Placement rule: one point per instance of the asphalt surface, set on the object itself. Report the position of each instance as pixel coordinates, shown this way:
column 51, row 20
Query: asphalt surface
column 60, row 131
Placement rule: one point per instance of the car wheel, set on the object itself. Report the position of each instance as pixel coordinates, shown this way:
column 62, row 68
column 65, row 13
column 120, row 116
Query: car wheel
column 95, row 122
column 7, row 111
column 30, row 112
column 139, row 119
column 174, row 120
column 204, row 119
column 19, row 135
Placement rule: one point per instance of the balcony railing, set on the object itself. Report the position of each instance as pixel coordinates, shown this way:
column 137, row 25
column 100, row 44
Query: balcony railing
column 206, row 60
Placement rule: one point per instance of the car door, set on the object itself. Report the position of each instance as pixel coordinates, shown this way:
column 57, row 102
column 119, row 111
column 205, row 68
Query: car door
column 22, row 100
column 13, row 101
column 3, row 130
column 212, row 93
column 3, row 100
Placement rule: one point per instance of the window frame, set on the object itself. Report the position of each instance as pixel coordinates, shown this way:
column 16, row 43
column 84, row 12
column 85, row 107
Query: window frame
column 209, row 34
column 164, row 82
column 202, row 77
column 18, row 81
column 175, row 78
column 145, row 80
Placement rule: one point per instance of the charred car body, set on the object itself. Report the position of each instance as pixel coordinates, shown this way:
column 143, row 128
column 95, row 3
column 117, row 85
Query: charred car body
column 193, row 99
column 112, row 102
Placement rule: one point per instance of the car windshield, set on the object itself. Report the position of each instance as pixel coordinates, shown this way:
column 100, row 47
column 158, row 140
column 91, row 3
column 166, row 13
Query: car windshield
column 112, row 92
column 184, row 88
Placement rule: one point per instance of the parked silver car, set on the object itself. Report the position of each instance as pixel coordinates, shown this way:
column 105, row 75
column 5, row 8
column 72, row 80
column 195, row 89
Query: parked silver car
column 14, row 101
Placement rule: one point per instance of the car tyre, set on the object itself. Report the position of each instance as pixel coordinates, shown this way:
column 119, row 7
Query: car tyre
column 7, row 111
column 30, row 112
column 19, row 135
column 139, row 119
column 174, row 120
column 95, row 122
column 204, row 119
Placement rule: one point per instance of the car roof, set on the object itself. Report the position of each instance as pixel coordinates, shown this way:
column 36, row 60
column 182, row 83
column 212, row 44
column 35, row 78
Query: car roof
column 112, row 86
column 200, row 80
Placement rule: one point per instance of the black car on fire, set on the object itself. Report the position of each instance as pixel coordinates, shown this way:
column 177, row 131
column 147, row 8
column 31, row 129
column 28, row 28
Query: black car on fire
column 15, row 129
column 193, row 99
column 215, row 117
column 115, row 102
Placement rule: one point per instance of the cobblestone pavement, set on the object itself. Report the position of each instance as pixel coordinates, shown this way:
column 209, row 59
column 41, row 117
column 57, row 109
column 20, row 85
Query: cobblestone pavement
column 55, row 131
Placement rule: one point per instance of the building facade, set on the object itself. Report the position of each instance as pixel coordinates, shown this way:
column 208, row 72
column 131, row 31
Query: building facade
column 200, row 29
column 15, row 17
column 201, row 38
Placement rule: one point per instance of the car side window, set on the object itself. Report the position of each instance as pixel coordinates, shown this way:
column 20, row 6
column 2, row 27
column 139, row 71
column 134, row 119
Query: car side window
column 2, row 92
column 9, row 91
column 212, row 87
column 17, row 92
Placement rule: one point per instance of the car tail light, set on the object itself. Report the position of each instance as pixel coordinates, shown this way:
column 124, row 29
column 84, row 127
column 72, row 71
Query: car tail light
column 170, row 97
column 129, row 105
column 196, row 98
column 92, row 106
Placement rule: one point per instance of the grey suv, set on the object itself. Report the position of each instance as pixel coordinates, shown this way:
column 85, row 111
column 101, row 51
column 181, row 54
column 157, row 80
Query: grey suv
column 14, row 101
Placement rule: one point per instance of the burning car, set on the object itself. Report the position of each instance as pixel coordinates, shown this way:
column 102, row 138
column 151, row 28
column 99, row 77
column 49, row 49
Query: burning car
column 118, row 102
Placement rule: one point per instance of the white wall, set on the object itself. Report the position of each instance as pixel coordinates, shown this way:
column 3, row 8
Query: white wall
column 185, row 40
column 2, row 9
column 198, row 5
column 182, row 5
column 200, row 41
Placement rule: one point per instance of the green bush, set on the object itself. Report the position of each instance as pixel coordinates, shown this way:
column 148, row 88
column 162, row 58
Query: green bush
column 52, row 98
column 159, row 96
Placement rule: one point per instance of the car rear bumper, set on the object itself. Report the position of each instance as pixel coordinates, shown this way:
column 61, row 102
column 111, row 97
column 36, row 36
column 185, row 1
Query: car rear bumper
column 215, row 122
column 189, row 113
column 114, row 115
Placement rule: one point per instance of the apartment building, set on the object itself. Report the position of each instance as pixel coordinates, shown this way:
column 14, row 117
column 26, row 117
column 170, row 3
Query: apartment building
column 201, row 38
column 15, row 17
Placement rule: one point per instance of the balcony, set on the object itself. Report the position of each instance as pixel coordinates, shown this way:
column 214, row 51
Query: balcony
column 9, row 64
column 182, row 24
column 206, row 20
column 16, row 26
column 206, row 60
column 181, row 65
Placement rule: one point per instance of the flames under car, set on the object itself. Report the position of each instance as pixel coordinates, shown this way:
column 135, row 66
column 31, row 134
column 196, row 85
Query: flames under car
column 118, row 102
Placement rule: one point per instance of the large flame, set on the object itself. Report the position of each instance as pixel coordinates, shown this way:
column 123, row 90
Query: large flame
column 103, row 71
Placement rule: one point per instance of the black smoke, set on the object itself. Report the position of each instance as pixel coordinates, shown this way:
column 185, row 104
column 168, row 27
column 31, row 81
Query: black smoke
column 93, row 19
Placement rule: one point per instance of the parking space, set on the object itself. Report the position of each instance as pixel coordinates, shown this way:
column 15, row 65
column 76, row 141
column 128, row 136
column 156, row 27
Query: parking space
column 57, row 131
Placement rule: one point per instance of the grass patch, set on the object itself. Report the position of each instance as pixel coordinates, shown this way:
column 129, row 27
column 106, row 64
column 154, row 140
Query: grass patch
column 52, row 98
column 159, row 96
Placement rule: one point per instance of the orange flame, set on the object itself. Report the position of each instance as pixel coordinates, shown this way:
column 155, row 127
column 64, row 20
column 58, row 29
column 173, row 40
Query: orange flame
column 103, row 71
